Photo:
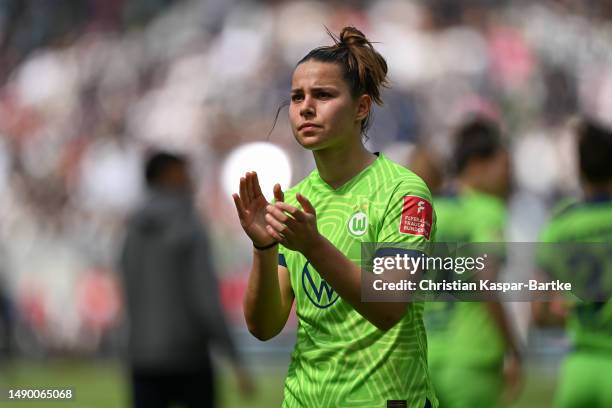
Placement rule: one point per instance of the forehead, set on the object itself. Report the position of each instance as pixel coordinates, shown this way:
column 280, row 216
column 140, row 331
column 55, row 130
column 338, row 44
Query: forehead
column 315, row 73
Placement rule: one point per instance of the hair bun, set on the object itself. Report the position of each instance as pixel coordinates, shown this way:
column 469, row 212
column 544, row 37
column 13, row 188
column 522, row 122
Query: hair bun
column 350, row 36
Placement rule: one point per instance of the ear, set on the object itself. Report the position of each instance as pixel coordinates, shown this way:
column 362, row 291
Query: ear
column 364, row 104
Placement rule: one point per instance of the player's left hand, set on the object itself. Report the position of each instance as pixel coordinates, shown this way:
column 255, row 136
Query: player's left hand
column 294, row 228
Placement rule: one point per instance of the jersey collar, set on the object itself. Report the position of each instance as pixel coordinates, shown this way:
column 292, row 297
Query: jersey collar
column 351, row 182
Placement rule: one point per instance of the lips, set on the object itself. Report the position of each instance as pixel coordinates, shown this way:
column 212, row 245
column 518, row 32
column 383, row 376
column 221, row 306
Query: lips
column 308, row 126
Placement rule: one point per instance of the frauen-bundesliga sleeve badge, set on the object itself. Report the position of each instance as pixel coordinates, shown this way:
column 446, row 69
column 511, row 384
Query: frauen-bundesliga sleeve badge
column 417, row 215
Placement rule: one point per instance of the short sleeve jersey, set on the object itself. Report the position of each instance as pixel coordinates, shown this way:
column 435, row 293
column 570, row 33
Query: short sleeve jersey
column 590, row 323
column 340, row 358
column 463, row 333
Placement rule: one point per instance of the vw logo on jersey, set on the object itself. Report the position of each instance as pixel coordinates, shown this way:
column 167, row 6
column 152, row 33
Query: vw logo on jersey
column 318, row 291
column 358, row 224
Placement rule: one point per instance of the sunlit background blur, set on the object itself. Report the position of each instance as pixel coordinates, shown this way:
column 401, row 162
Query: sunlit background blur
column 87, row 88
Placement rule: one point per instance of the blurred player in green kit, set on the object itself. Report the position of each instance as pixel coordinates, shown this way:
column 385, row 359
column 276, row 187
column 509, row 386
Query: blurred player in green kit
column 586, row 378
column 472, row 355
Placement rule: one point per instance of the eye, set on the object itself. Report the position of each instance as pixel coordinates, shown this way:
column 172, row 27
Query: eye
column 296, row 97
column 324, row 95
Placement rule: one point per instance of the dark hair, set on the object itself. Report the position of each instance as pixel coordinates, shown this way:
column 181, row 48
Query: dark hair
column 478, row 138
column 595, row 151
column 364, row 69
column 157, row 165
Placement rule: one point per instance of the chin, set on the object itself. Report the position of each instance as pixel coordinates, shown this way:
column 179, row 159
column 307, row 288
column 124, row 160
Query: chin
column 313, row 147
column 311, row 142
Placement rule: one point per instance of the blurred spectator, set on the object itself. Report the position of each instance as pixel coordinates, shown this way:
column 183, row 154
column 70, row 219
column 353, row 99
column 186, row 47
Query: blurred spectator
column 173, row 309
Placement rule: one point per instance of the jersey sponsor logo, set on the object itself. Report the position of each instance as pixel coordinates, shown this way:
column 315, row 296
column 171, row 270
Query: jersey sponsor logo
column 417, row 216
column 317, row 290
column 358, row 224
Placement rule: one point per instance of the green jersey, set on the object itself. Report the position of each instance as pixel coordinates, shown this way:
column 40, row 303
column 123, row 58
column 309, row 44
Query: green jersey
column 340, row 358
column 591, row 222
column 463, row 333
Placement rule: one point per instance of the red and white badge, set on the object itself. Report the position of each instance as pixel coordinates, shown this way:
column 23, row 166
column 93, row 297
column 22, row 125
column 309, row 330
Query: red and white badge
column 417, row 216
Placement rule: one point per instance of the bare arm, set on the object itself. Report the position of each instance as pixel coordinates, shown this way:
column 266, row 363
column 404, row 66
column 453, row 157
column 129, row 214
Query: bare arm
column 497, row 312
column 513, row 376
column 269, row 296
column 551, row 312
column 500, row 318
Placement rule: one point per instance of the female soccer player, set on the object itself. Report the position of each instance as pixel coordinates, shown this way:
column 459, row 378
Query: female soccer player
column 348, row 353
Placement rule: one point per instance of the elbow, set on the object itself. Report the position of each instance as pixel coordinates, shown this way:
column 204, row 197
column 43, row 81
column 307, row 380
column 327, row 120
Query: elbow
column 261, row 334
column 388, row 321
column 262, row 328
column 385, row 325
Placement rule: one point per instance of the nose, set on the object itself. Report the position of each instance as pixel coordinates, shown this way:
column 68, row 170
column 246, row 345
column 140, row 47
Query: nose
column 307, row 109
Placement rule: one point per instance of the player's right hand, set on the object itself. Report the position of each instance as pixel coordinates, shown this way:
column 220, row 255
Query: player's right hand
column 251, row 207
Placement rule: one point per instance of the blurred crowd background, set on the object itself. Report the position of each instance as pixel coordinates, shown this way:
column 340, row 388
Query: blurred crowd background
column 88, row 88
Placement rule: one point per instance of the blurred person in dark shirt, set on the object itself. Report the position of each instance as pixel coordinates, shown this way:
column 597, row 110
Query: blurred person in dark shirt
column 173, row 308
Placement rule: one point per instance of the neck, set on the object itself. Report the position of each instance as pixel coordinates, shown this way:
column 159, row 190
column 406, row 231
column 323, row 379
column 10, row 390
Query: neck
column 465, row 183
column 340, row 164
column 468, row 184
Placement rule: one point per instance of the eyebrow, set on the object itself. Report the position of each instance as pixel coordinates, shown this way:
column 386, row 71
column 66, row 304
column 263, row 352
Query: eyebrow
column 316, row 88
